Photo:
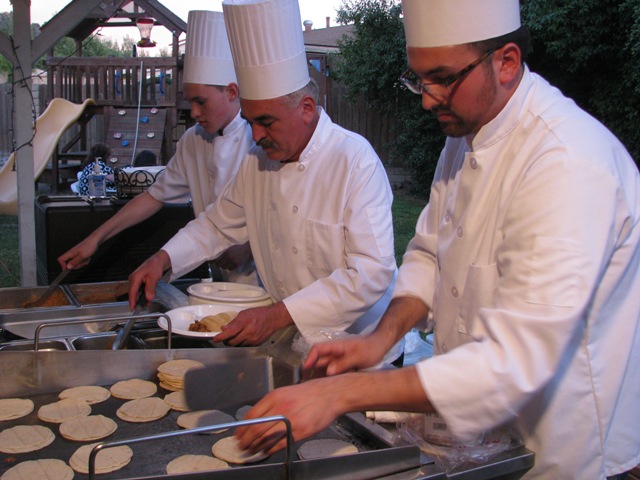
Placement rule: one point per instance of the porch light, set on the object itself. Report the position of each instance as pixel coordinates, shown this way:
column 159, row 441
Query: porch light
column 145, row 24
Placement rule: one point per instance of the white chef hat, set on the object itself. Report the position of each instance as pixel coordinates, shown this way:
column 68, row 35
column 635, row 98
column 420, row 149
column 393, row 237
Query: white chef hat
column 267, row 46
column 207, row 58
column 437, row 23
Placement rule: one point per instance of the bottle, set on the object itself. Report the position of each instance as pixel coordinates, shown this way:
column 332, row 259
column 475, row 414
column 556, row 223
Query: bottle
column 97, row 182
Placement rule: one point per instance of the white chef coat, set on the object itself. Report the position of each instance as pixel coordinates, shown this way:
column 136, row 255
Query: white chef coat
column 201, row 167
column 528, row 254
column 320, row 229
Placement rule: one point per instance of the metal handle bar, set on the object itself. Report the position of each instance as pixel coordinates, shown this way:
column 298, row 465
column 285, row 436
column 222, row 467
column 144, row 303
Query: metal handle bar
column 36, row 341
column 276, row 418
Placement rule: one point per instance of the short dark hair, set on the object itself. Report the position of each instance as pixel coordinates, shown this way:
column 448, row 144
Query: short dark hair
column 520, row 37
column 145, row 158
column 99, row 150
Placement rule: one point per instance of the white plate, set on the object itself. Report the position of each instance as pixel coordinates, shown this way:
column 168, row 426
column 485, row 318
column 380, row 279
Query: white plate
column 228, row 292
column 182, row 317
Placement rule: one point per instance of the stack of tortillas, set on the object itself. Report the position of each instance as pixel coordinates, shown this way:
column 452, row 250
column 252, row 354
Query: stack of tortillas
column 171, row 373
column 107, row 459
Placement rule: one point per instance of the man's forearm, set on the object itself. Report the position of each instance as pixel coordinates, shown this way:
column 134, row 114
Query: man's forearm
column 402, row 314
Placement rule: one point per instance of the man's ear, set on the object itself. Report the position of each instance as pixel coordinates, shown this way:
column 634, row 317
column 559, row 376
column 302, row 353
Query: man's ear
column 233, row 92
column 510, row 59
column 308, row 105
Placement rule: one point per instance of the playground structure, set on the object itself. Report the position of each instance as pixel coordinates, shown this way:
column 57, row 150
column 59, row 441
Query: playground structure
column 49, row 127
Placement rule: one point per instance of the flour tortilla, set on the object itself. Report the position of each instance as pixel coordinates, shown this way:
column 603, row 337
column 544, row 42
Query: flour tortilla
column 242, row 411
column 202, row 418
column 177, row 401
column 89, row 393
column 64, row 409
column 41, row 469
column 324, row 448
column 12, row 408
column 228, row 450
column 107, row 459
column 133, row 389
column 143, row 410
column 195, row 463
column 171, row 373
column 25, row 438
column 86, row 429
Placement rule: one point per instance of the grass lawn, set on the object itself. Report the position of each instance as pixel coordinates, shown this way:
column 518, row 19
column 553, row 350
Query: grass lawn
column 406, row 210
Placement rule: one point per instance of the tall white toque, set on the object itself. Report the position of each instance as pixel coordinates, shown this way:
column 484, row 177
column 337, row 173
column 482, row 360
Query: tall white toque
column 438, row 23
column 207, row 58
column 267, row 46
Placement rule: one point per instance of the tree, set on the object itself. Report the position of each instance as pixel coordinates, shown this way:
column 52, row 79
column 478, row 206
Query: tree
column 370, row 63
column 590, row 49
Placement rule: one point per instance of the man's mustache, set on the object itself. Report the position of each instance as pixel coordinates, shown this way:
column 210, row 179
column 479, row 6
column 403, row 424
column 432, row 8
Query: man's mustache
column 264, row 143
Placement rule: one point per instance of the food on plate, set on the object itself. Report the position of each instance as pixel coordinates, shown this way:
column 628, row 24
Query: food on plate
column 242, row 411
column 12, row 408
column 86, row 429
column 64, row 409
column 202, row 418
column 143, row 410
column 194, row 463
column 42, row 469
column 228, row 450
column 107, row 459
column 325, row 447
column 89, row 393
column 212, row 323
column 25, row 438
column 133, row 389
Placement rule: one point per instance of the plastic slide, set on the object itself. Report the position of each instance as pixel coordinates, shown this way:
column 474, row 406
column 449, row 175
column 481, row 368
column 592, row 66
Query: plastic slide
column 58, row 117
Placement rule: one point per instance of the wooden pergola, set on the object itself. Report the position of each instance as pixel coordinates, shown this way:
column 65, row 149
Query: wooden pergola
column 78, row 20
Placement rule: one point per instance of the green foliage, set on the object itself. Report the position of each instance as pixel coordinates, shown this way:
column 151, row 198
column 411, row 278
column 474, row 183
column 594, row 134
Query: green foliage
column 370, row 63
column 590, row 49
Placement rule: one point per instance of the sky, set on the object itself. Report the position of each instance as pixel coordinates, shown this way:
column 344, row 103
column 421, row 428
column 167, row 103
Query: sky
column 43, row 10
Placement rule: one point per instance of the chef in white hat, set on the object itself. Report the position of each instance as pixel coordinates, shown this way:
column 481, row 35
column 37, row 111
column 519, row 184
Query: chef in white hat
column 207, row 156
column 313, row 199
column 525, row 260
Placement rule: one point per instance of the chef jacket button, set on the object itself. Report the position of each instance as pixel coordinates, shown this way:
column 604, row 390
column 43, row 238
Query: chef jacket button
column 454, row 291
column 443, row 348
column 474, row 163
column 301, row 168
column 459, row 231
column 295, row 209
column 294, row 250
column 447, row 217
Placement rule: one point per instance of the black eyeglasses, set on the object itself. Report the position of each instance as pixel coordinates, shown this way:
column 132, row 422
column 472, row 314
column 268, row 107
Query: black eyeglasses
column 417, row 86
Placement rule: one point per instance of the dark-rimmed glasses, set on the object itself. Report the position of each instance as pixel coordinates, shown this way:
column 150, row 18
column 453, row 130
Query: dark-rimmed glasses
column 415, row 84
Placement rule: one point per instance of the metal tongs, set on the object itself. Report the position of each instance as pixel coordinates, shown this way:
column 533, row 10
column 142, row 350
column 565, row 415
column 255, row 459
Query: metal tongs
column 122, row 336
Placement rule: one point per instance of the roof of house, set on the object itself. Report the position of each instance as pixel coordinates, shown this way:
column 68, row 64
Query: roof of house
column 325, row 39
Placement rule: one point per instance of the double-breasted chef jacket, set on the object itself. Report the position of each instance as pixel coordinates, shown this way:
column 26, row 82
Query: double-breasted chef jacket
column 320, row 230
column 528, row 255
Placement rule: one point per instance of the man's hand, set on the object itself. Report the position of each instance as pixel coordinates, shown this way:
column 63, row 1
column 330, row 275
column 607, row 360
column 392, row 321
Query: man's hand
column 254, row 326
column 148, row 274
column 340, row 356
column 234, row 257
column 310, row 407
column 78, row 256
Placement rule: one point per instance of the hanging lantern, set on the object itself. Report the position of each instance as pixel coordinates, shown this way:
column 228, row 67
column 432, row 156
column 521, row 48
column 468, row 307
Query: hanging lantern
column 145, row 24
